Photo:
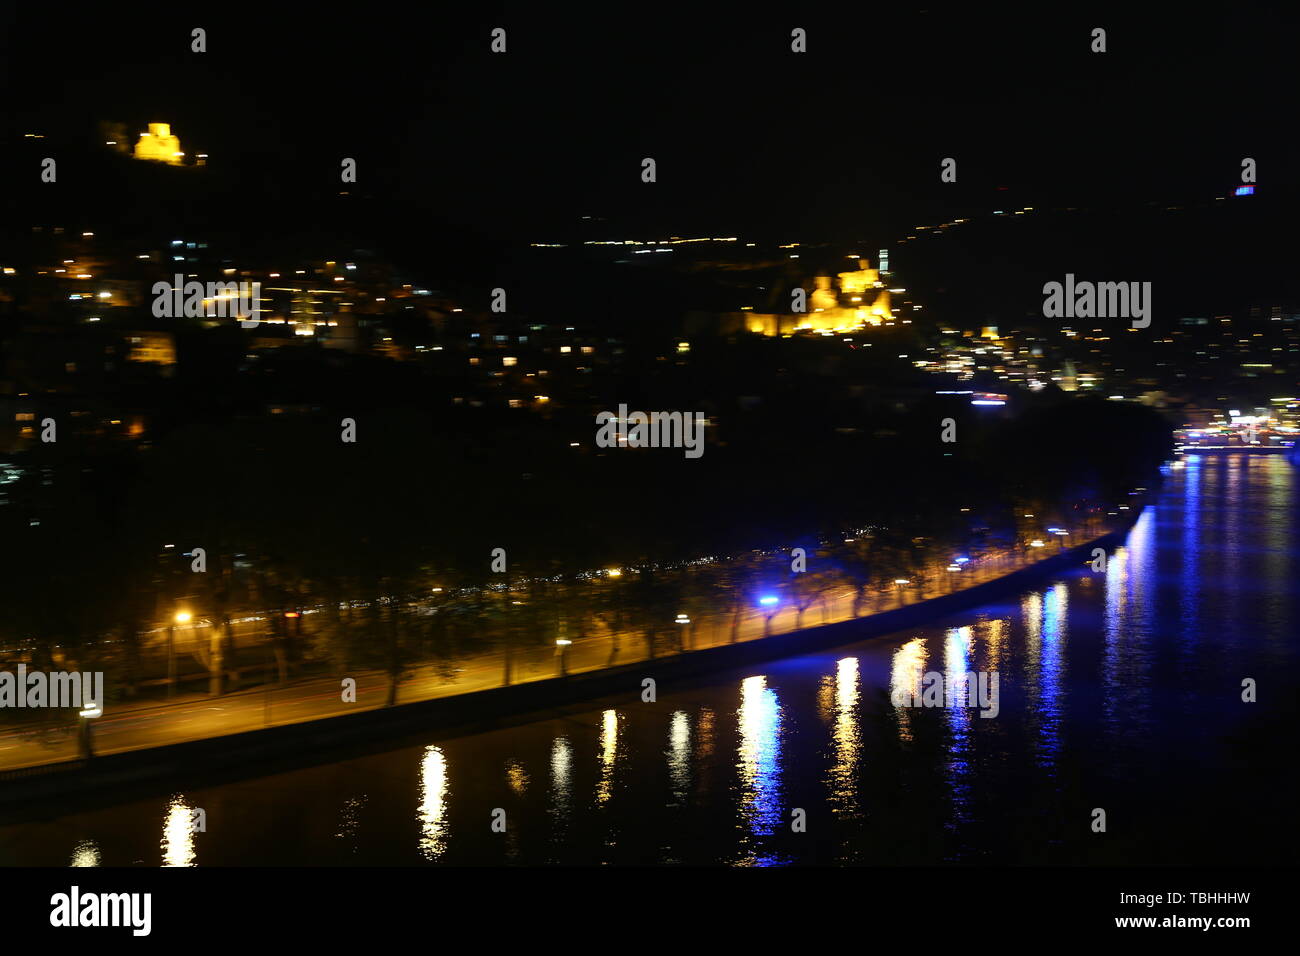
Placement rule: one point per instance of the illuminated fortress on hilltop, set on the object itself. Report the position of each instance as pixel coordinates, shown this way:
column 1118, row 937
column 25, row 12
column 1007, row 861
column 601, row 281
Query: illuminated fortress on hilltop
column 860, row 300
column 159, row 145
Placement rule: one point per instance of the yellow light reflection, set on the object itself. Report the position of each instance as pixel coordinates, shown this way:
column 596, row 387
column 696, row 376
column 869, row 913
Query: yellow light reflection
column 705, row 732
column 995, row 631
column 608, row 754
column 905, row 672
column 517, row 776
column 826, row 698
column 350, row 820
column 847, row 739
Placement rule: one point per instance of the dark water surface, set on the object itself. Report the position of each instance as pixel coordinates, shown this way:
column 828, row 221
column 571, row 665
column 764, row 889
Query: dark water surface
column 1120, row 691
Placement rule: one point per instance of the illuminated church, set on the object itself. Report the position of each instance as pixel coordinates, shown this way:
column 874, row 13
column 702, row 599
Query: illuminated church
column 159, row 145
column 861, row 299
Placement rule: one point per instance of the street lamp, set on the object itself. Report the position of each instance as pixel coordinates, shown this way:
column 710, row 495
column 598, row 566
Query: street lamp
column 88, row 714
column 180, row 617
column 562, row 652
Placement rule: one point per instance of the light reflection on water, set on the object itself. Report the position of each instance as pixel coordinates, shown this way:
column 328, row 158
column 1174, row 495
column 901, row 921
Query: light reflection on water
column 561, row 787
column 433, row 803
column 679, row 756
column 842, row 781
column 1115, row 689
column 1051, row 674
column 760, row 767
column 608, row 754
column 908, row 667
column 178, row 834
column 1126, row 659
column 957, row 652
column 85, row 853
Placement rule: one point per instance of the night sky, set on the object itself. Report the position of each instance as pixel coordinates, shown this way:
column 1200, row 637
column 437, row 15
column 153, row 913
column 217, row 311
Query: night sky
column 840, row 142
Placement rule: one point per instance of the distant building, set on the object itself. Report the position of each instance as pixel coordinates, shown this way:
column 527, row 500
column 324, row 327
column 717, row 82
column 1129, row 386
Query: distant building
column 859, row 300
column 159, row 145
column 156, row 347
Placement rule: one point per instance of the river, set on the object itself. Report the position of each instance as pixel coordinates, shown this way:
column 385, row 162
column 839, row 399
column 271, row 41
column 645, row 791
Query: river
column 1119, row 692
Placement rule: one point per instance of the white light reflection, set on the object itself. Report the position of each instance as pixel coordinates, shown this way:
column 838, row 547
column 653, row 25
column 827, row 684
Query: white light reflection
column 433, row 803
column 760, row 762
column 561, row 769
column 85, row 853
column 679, row 755
column 178, row 834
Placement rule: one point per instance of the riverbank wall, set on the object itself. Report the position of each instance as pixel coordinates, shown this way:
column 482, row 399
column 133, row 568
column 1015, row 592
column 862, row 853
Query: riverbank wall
column 40, row 790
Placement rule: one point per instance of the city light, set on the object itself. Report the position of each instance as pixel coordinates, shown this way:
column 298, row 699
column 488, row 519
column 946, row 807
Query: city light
column 307, row 381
